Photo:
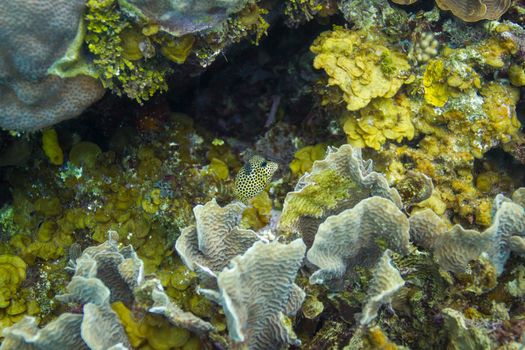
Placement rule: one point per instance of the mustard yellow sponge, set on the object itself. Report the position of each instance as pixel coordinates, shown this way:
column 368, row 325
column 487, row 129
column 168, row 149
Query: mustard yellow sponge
column 305, row 157
column 12, row 274
column 51, row 147
column 360, row 65
column 152, row 332
column 383, row 119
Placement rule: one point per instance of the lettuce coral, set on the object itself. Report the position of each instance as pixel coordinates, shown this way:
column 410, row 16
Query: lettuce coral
column 386, row 281
column 216, row 238
column 453, row 248
column 357, row 237
column 337, row 182
column 360, row 65
column 258, row 293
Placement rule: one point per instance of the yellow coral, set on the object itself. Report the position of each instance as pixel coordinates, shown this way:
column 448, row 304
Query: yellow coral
column 305, row 157
column 360, row 65
column 500, row 107
column 51, row 147
column 152, row 332
column 383, row 119
column 12, row 274
column 258, row 214
column 444, row 78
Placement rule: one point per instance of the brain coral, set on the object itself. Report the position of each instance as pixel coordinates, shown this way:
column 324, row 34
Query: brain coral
column 39, row 36
column 360, row 65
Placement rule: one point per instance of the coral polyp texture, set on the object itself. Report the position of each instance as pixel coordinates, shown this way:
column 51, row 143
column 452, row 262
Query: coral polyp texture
column 43, row 79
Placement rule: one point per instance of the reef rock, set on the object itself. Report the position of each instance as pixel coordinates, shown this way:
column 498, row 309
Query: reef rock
column 184, row 17
column 42, row 78
column 257, row 292
column 357, row 237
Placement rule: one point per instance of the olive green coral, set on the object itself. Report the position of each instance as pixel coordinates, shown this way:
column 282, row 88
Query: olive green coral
column 108, row 39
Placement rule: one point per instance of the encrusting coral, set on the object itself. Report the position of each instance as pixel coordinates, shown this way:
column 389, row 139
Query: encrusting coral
column 380, row 120
column 184, row 17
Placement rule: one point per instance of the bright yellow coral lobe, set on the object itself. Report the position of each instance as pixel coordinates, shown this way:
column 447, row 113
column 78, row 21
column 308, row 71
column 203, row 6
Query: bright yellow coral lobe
column 51, row 147
column 360, row 65
column 383, row 119
column 305, row 157
column 154, row 333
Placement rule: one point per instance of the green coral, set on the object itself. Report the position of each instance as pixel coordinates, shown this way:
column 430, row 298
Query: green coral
column 137, row 79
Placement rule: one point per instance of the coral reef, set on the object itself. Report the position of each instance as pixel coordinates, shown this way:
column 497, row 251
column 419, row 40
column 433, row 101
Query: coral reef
column 385, row 282
column 216, row 237
column 183, row 17
column 384, row 143
column 43, row 79
column 454, row 248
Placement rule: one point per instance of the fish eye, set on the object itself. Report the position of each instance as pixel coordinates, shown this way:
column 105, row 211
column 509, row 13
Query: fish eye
column 263, row 164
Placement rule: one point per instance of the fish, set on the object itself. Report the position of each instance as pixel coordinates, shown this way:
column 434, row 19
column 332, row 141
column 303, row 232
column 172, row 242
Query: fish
column 253, row 178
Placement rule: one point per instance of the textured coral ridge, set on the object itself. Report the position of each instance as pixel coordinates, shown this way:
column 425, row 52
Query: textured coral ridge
column 335, row 183
column 40, row 47
column 253, row 281
column 351, row 238
column 216, row 237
